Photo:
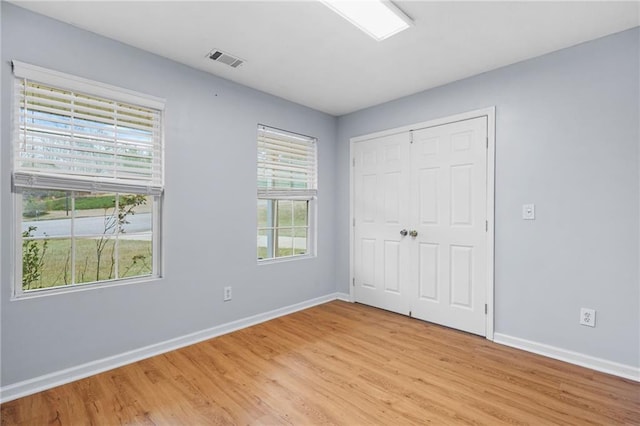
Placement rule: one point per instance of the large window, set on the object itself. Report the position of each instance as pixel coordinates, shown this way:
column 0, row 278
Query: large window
column 287, row 189
column 88, row 177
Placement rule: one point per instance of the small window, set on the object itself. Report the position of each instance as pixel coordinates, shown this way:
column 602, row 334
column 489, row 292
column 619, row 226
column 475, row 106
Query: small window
column 88, row 177
column 287, row 189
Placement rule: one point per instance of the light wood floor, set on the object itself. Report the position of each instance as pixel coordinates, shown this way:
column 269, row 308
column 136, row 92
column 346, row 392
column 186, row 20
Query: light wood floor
column 339, row 363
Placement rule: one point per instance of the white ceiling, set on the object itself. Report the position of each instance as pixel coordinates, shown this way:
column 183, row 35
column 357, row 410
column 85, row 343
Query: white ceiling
column 304, row 52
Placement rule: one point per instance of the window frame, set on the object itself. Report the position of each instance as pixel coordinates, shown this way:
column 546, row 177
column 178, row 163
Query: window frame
column 154, row 195
column 311, row 232
column 156, row 247
column 276, row 194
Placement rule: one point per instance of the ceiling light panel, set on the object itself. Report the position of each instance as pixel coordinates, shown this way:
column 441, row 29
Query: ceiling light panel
column 378, row 18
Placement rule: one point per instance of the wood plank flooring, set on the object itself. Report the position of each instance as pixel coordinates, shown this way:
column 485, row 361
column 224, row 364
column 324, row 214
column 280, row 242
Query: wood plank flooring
column 338, row 363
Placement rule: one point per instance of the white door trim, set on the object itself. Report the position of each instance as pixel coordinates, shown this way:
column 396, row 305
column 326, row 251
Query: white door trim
column 490, row 113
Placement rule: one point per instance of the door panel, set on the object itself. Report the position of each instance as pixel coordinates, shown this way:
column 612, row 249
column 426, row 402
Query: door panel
column 392, row 182
column 367, row 262
column 428, row 273
column 392, row 266
column 381, row 180
column 459, row 236
column 461, row 276
column 461, row 195
column 428, row 188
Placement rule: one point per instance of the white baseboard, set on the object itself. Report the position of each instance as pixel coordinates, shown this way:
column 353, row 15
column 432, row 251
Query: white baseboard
column 598, row 364
column 345, row 297
column 51, row 380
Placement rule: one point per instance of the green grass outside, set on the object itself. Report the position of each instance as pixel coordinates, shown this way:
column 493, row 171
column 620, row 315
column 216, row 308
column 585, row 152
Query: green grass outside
column 134, row 259
column 38, row 203
column 82, row 203
column 282, row 252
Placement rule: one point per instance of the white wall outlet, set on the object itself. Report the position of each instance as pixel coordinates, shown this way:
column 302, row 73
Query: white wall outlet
column 227, row 294
column 529, row 211
column 588, row 317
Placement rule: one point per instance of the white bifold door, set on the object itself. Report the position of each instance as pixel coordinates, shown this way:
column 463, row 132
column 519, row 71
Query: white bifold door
column 420, row 223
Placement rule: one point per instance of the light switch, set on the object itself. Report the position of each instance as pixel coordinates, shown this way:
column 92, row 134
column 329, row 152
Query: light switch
column 529, row 211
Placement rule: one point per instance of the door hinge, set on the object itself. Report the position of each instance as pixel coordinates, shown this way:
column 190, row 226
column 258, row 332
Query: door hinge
column 487, row 139
column 353, row 282
column 410, row 136
column 486, row 309
column 353, row 162
column 410, row 314
column 486, row 226
column 354, row 221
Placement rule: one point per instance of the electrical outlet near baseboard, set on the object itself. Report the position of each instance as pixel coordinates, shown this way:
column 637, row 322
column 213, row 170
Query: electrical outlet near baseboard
column 227, row 294
column 588, row 317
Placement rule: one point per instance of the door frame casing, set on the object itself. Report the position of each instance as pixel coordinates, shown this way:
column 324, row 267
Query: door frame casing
column 490, row 113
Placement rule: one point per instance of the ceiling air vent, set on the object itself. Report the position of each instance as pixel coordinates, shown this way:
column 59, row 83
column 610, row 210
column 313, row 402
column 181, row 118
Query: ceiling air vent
column 225, row 58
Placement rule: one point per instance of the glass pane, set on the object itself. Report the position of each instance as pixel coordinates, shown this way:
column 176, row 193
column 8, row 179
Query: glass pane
column 135, row 203
column 263, row 213
column 135, row 257
column 135, row 213
column 46, row 213
column 96, row 214
column 95, row 259
column 300, row 215
column 300, row 241
column 285, row 209
column 265, row 244
column 285, row 242
column 46, row 263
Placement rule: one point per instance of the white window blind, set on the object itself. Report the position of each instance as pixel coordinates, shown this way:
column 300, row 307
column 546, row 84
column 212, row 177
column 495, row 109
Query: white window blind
column 287, row 165
column 75, row 134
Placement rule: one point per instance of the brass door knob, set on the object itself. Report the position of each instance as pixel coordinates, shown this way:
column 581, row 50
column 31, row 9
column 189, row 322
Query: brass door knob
column 413, row 233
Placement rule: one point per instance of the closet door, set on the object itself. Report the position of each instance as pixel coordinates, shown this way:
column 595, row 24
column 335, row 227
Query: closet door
column 381, row 206
column 448, row 211
column 431, row 183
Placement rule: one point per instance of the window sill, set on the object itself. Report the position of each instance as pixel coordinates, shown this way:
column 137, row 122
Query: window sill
column 54, row 291
column 285, row 259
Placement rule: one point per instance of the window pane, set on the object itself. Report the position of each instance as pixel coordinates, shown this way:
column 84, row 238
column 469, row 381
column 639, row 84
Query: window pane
column 137, row 211
column 265, row 244
column 46, row 263
column 300, row 241
column 285, row 242
column 95, row 214
column 263, row 213
column 96, row 222
column 285, row 210
column 134, row 255
column 95, row 259
column 300, row 215
column 46, row 213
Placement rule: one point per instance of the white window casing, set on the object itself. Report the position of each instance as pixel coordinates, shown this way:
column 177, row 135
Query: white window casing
column 287, row 170
column 77, row 135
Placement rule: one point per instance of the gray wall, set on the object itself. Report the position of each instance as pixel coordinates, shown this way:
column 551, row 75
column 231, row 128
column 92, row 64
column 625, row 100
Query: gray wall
column 209, row 208
column 567, row 139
